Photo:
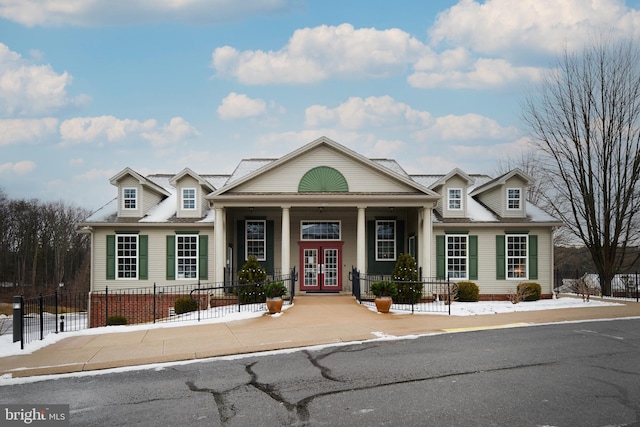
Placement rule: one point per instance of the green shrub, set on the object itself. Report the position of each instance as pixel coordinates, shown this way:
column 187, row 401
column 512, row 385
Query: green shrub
column 468, row 292
column 384, row 289
column 185, row 305
column 274, row 289
column 405, row 274
column 530, row 290
column 116, row 319
column 253, row 275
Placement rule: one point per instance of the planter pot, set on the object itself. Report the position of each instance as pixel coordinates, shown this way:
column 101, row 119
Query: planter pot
column 274, row 305
column 383, row 304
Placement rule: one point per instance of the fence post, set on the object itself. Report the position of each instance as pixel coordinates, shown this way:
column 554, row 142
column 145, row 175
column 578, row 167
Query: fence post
column 199, row 298
column 18, row 322
column 106, row 306
column 41, row 304
column 55, row 300
column 154, row 302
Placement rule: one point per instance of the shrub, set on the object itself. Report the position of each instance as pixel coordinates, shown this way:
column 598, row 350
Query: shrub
column 185, row 305
column 274, row 289
column 116, row 319
column 253, row 276
column 405, row 274
column 468, row 292
column 384, row 289
column 532, row 291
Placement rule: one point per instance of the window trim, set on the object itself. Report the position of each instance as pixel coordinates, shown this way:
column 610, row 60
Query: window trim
column 125, row 198
column 264, row 240
column 525, row 257
column 196, row 256
column 338, row 222
column 395, row 239
column 451, row 199
column 194, row 199
column 118, row 257
column 510, row 199
column 465, row 257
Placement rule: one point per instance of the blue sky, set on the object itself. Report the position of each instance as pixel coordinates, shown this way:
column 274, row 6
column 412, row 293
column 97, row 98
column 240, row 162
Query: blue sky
column 89, row 87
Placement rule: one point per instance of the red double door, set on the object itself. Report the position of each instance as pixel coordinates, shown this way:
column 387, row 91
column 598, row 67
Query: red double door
column 321, row 266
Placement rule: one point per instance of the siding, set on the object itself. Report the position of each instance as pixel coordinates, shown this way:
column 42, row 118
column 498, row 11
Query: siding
column 359, row 177
column 454, row 182
column 129, row 182
column 189, row 182
column 515, row 182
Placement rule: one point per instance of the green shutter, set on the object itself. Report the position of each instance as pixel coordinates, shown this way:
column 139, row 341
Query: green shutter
column 473, row 257
column 399, row 238
column 240, row 242
column 143, row 257
column 371, row 247
column 269, row 262
column 501, row 273
column 171, row 257
column 203, row 258
column 111, row 257
column 533, row 257
column 440, row 258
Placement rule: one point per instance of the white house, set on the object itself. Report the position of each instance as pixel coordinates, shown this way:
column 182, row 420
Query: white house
column 323, row 209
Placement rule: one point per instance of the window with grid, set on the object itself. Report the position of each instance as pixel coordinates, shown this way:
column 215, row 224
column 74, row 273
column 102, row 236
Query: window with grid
column 187, row 257
column 457, row 260
column 385, row 240
column 513, row 198
column 188, row 198
column 255, row 239
column 517, row 257
column 130, row 198
column 320, row 230
column 127, row 256
column 455, row 198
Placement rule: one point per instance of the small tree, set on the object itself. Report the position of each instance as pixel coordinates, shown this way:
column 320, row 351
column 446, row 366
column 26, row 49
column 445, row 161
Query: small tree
column 405, row 274
column 252, row 275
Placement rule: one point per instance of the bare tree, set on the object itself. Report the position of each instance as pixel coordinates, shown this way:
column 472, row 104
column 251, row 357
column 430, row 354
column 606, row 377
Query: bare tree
column 585, row 121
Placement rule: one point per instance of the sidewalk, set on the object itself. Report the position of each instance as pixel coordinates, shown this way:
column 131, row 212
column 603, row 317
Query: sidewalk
column 312, row 320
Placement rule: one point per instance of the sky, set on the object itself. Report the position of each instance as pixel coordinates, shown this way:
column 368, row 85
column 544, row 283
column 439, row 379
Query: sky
column 90, row 87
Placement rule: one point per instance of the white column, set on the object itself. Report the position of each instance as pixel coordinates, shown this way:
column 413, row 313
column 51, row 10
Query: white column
column 220, row 253
column 426, row 243
column 361, row 241
column 285, row 254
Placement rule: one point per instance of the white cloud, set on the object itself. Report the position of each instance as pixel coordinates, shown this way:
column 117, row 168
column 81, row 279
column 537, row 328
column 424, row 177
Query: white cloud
column 359, row 113
column 465, row 127
column 76, row 162
column 26, row 130
column 240, row 106
column 88, row 129
column 177, row 130
column 20, row 168
column 501, row 26
column 87, row 13
column 96, row 174
column 29, row 89
column 316, row 54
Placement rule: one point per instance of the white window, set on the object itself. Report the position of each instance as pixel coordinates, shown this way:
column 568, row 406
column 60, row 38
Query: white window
column 513, row 198
column 130, row 198
column 127, row 256
column 386, row 240
column 188, row 199
column 457, row 256
column 320, row 230
column 256, row 239
column 455, row 199
column 187, row 256
column 517, row 256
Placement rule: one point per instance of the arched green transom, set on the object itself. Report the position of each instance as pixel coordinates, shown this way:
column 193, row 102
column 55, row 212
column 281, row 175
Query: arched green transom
column 323, row 179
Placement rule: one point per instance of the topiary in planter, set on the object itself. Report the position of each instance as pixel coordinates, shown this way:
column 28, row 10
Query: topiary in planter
column 530, row 290
column 116, row 319
column 185, row 305
column 252, row 275
column 274, row 289
column 468, row 292
column 405, row 274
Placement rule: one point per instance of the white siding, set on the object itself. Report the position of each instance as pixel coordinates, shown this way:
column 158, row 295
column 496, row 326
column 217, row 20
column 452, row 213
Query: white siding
column 130, row 182
column 515, row 182
column 453, row 183
column 189, row 182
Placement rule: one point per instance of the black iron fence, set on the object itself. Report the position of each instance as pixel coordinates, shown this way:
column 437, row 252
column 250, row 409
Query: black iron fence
column 34, row 318
column 425, row 295
column 625, row 286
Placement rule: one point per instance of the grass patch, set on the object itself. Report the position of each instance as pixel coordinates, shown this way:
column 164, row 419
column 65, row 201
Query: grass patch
column 6, row 308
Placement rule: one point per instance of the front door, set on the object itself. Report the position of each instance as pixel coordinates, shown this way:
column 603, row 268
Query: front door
column 321, row 265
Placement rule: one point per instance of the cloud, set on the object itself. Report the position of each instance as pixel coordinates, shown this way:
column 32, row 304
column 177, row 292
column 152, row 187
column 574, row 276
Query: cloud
column 89, row 13
column 240, row 106
column 359, row 113
column 20, row 168
column 87, row 129
column 14, row 131
column 316, row 54
column 465, row 127
column 496, row 27
column 29, row 89
column 177, row 130
column 76, row 162
column 96, row 174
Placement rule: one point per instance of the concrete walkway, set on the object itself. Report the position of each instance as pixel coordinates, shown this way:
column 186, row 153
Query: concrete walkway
column 312, row 320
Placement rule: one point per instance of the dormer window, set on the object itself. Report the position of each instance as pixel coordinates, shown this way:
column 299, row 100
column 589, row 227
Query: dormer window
column 455, row 199
column 188, row 198
column 130, row 198
column 513, row 198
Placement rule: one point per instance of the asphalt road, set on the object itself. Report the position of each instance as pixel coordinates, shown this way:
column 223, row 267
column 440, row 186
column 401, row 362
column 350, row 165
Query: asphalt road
column 578, row 374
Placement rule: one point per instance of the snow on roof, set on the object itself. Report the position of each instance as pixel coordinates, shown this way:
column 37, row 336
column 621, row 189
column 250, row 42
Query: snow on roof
column 393, row 165
column 477, row 212
column 210, row 217
column 163, row 210
column 247, row 166
column 103, row 214
column 217, row 181
column 538, row 215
